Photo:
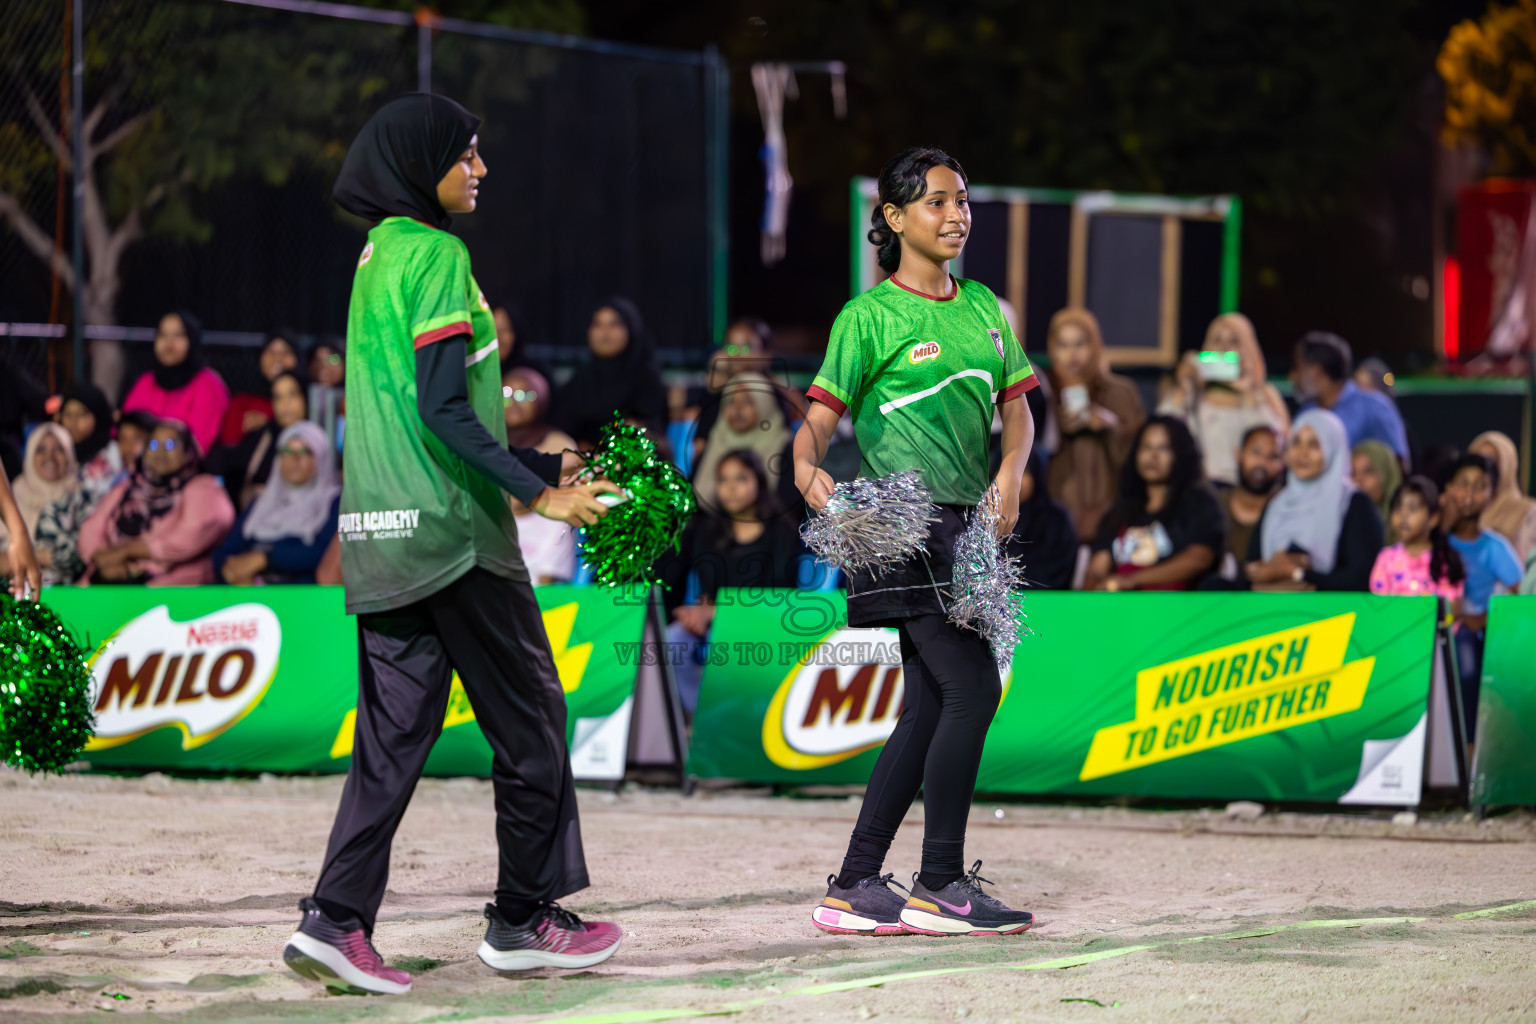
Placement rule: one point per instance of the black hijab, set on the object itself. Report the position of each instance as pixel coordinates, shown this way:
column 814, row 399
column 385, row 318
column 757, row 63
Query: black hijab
column 174, row 378
column 640, row 352
column 90, row 396
column 626, row 383
column 396, row 161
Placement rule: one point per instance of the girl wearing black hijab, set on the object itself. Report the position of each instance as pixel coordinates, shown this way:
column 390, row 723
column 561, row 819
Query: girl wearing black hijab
column 620, row 377
column 181, row 387
column 432, row 568
column 87, row 415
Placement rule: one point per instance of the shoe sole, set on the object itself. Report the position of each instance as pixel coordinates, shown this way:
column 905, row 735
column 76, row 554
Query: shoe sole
column 840, row 922
column 319, row 961
column 924, row 923
column 529, row 959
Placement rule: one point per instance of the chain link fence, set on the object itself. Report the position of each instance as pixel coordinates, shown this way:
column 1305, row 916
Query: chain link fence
column 212, row 131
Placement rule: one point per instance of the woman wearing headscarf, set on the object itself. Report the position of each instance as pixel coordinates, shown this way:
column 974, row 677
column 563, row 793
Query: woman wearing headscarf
column 526, row 401
column 750, row 418
column 86, row 414
column 248, row 412
column 1098, row 412
column 58, row 528
column 620, row 377
column 161, row 525
column 432, row 570
column 282, row 536
column 1374, row 469
column 47, row 475
column 1223, row 392
column 181, row 386
column 512, row 341
column 247, row 466
column 1511, row 512
column 1320, row 529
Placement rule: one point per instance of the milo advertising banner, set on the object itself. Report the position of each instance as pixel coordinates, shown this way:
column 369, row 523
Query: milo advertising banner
column 1304, row 697
column 265, row 679
column 1503, row 770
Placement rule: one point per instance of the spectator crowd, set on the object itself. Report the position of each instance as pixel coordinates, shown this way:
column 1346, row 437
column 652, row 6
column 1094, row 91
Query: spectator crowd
column 1222, row 487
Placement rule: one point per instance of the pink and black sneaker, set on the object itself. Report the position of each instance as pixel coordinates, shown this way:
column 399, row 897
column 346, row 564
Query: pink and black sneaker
column 961, row 908
column 339, row 955
column 555, row 937
column 867, row 907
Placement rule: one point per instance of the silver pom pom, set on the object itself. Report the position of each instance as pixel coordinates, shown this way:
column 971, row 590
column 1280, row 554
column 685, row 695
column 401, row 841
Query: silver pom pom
column 872, row 523
column 986, row 582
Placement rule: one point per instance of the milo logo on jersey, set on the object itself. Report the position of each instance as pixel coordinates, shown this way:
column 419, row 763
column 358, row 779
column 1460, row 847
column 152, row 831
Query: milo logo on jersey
column 925, row 350
column 201, row 676
column 1231, row 693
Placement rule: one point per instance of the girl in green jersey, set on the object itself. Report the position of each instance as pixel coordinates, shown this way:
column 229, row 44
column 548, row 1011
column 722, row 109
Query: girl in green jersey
column 432, row 568
column 919, row 362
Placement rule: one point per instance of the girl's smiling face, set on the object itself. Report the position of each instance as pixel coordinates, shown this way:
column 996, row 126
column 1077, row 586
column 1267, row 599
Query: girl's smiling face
column 937, row 223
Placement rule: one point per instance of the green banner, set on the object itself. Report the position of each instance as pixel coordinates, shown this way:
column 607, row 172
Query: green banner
column 1504, row 772
column 265, row 678
column 1308, row 697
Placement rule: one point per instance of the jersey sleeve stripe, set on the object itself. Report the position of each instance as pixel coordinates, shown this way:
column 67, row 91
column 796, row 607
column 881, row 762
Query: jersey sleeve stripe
column 446, row 331
column 827, row 398
column 1018, row 388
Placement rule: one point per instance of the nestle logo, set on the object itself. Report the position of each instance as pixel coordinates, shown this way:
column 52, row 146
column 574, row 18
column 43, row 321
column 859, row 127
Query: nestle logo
column 927, row 350
column 221, row 633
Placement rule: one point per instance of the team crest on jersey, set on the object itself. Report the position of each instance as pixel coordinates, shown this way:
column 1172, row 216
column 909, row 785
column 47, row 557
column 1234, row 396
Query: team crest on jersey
column 997, row 340
column 483, row 304
column 925, row 350
column 367, row 255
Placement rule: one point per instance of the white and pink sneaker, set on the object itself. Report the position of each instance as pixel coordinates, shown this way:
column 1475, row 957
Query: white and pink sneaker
column 555, row 937
column 340, row 956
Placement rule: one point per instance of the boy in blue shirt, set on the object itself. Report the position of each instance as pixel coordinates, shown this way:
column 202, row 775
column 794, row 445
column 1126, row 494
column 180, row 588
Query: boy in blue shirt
column 1489, row 560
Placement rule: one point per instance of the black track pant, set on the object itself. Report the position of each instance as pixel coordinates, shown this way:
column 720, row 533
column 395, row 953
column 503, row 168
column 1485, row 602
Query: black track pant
column 951, row 691
column 488, row 629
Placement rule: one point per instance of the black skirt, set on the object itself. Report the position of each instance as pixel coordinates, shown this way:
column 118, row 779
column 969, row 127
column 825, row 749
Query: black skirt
column 917, row 586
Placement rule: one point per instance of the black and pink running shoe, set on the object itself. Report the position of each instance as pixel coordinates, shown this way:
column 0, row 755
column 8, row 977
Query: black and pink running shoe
column 555, row 937
column 867, row 907
column 339, row 955
column 961, row 908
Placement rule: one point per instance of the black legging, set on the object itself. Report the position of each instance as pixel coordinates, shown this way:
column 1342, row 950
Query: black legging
column 951, row 691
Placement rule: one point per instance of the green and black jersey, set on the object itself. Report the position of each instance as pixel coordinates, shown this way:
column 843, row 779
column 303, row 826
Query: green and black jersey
column 921, row 375
column 414, row 516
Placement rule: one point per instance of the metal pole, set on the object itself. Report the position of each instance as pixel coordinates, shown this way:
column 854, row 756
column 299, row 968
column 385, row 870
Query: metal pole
column 77, row 118
column 1232, row 256
column 423, row 51
column 717, row 102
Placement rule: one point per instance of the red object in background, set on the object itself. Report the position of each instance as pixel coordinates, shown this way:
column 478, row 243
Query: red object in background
column 1492, row 218
column 1450, row 289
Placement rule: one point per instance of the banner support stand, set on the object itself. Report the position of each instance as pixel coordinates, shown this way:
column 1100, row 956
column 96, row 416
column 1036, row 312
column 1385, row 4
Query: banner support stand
column 658, row 735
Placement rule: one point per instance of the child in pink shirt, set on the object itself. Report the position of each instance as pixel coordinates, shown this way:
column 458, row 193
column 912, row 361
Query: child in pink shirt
column 180, row 387
column 1422, row 561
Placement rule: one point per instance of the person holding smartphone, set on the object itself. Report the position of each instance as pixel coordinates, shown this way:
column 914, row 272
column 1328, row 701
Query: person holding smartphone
column 1222, row 392
column 1099, row 413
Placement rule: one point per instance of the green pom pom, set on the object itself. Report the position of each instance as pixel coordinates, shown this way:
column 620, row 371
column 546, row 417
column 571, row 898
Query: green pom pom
column 45, row 687
column 622, row 547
